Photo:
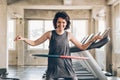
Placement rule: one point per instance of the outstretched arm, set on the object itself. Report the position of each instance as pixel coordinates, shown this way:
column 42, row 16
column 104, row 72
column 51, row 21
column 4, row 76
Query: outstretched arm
column 98, row 44
column 38, row 41
column 83, row 46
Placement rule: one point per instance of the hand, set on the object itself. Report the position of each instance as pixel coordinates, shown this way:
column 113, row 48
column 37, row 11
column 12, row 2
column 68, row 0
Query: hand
column 98, row 37
column 18, row 38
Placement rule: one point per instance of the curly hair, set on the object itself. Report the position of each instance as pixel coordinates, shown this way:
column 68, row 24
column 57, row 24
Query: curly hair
column 64, row 15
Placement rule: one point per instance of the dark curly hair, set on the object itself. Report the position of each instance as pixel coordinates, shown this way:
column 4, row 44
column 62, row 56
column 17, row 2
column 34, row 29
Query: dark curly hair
column 64, row 15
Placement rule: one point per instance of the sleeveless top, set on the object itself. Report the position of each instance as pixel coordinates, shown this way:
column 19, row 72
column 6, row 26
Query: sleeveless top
column 57, row 67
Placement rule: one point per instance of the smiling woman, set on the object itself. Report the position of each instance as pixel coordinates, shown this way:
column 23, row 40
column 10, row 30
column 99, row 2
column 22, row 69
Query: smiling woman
column 61, row 24
column 59, row 45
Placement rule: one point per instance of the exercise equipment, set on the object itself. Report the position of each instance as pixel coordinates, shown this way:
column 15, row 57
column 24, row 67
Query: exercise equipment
column 96, row 44
column 91, row 65
column 3, row 76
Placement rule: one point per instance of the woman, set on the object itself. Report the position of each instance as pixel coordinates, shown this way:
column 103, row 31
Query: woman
column 59, row 45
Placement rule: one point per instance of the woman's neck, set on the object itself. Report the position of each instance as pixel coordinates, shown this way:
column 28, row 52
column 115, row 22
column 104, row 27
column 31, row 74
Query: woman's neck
column 60, row 31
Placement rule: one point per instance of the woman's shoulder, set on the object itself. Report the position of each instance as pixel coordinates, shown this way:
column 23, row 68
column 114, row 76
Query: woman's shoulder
column 49, row 33
column 68, row 32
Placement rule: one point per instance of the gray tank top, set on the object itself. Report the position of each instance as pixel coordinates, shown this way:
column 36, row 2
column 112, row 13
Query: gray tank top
column 57, row 67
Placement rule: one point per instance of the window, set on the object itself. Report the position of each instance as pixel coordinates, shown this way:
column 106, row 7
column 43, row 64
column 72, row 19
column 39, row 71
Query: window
column 11, row 32
column 101, row 26
column 36, row 28
column 116, row 28
column 80, row 29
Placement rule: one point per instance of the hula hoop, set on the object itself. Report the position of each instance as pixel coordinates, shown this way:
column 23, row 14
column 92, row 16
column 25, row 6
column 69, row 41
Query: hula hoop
column 60, row 56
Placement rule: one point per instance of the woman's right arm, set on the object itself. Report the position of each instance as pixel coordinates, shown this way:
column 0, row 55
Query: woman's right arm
column 38, row 41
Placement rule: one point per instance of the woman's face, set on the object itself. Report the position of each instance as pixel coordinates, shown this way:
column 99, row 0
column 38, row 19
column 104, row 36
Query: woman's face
column 61, row 23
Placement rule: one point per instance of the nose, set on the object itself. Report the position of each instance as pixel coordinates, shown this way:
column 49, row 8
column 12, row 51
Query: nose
column 61, row 24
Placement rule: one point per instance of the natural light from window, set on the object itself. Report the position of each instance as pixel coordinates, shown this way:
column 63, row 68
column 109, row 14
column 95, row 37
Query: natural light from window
column 80, row 29
column 11, row 34
column 36, row 30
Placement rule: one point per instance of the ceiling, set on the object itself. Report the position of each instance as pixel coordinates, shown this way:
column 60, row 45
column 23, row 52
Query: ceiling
column 63, row 2
column 9, row 2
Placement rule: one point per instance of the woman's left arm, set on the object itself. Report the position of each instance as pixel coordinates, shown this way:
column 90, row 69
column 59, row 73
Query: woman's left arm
column 80, row 45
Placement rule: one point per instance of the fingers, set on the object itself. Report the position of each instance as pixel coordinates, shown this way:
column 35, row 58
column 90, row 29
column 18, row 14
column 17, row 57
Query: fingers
column 17, row 38
column 98, row 37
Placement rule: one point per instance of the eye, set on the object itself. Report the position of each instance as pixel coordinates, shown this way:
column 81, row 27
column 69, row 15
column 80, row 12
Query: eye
column 58, row 22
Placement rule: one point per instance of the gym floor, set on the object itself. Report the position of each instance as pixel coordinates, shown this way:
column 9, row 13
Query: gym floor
column 32, row 73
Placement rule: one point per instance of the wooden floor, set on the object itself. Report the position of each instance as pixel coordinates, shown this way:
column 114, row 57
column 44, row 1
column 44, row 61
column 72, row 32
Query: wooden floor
column 32, row 73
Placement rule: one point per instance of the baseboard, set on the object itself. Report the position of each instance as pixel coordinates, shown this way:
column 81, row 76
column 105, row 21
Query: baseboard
column 3, row 71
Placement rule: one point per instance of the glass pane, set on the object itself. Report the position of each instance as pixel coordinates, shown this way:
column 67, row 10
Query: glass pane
column 11, row 31
column 35, row 30
column 101, row 28
column 80, row 29
column 48, row 27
